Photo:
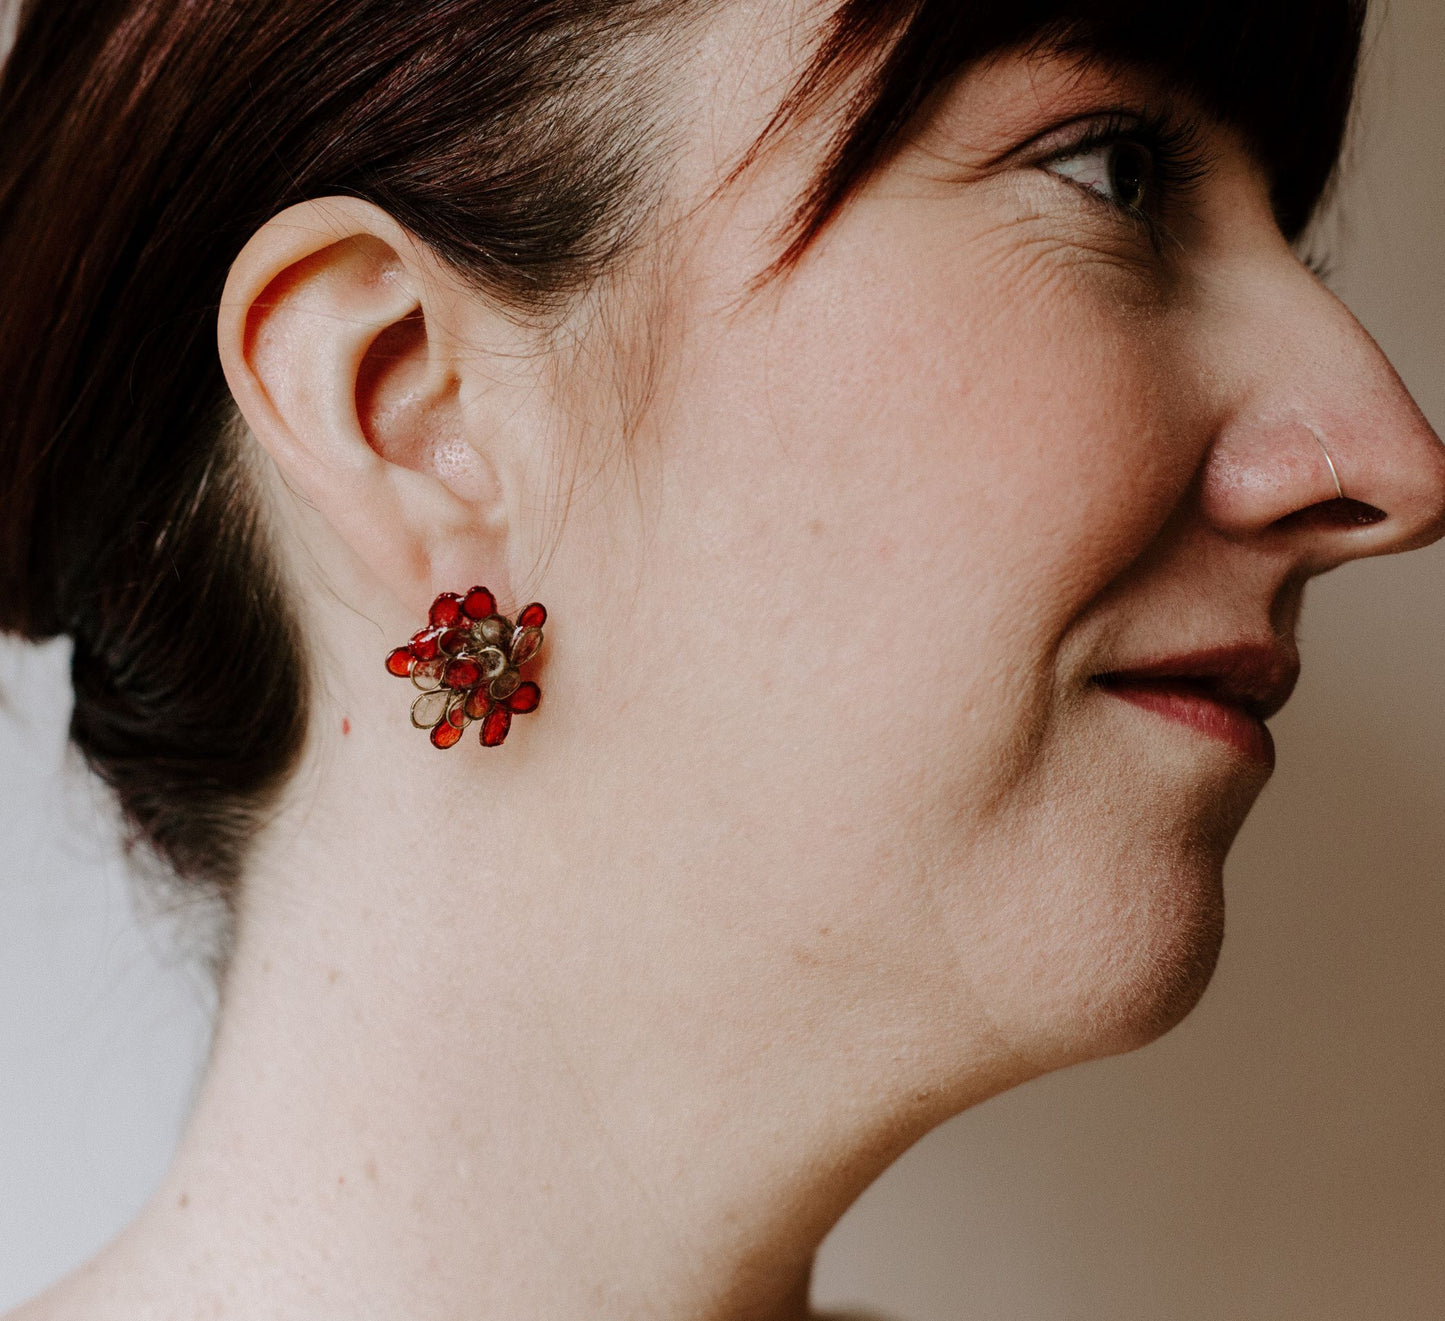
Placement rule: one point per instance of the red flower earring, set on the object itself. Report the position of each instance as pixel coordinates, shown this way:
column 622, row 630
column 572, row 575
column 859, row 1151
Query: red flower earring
column 465, row 662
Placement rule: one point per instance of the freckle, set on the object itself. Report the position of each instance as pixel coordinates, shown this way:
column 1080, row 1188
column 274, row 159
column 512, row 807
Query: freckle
column 345, row 727
column 334, row 976
column 815, row 526
column 184, row 1200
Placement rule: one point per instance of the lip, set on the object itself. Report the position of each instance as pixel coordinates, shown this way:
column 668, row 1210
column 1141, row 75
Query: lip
column 1225, row 693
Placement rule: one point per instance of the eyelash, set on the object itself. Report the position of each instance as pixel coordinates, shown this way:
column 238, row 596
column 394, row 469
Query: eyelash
column 1179, row 162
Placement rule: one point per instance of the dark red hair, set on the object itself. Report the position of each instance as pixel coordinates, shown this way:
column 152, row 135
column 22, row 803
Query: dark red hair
column 144, row 141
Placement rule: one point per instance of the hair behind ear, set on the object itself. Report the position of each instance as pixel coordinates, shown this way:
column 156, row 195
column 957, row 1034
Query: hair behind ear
column 143, row 145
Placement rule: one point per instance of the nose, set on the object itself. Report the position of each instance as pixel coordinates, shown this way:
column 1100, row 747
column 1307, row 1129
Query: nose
column 1324, row 451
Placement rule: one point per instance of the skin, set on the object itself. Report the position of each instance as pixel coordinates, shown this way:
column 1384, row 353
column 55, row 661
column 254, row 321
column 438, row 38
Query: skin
column 823, row 832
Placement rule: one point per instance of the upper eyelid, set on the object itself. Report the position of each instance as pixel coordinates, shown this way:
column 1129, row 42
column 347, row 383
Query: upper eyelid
column 1033, row 149
column 1171, row 131
column 1184, row 157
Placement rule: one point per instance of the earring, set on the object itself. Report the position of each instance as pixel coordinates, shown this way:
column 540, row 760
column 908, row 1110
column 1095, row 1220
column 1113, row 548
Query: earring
column 466, row 662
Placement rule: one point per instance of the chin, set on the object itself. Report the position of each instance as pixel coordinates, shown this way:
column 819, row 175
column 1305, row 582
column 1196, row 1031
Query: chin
column 1168, row 973
column 1157, row 956
column 1148, row 904
column 1092, row 918
column 1121, row 955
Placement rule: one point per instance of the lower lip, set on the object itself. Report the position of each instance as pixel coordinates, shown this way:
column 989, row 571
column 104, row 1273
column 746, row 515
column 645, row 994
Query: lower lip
column 1248, row 735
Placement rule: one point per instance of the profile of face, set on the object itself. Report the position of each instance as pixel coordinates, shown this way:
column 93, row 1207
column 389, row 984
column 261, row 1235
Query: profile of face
column 915, row 610
column 920, row 428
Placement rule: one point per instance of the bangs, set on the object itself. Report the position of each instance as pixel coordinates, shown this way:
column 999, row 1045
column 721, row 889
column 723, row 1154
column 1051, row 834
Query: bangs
column 1281, row 72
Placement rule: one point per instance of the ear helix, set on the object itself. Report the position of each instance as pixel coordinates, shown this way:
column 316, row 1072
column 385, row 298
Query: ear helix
column 466, row 662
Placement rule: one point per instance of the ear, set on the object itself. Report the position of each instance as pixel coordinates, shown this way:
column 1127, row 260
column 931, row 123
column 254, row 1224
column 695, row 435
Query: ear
column 339, row 339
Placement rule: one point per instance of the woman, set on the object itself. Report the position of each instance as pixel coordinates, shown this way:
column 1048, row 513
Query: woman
column 921, row 429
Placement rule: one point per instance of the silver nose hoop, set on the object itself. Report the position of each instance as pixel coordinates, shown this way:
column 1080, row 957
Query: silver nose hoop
column 1334, row 472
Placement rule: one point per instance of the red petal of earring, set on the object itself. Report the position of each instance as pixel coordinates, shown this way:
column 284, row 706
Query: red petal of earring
column 466, row 664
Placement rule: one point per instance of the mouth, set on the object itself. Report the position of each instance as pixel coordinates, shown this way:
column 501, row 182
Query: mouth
column 1225, row 693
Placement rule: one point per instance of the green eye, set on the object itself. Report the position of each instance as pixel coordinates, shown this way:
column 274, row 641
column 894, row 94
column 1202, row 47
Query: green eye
column 1120, row 172
column 1131, row 175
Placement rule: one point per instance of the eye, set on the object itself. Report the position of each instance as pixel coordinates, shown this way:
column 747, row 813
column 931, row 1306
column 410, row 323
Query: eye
column 1119, row 171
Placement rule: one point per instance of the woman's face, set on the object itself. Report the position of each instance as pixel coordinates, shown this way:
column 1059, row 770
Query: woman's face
column 962, row 559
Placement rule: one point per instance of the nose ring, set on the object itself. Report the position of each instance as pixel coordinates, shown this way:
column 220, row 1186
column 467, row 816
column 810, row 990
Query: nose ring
column 1334, row 472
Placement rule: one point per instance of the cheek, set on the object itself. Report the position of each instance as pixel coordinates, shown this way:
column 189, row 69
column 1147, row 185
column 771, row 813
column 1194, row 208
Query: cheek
column 887, row 494
column 922, row 471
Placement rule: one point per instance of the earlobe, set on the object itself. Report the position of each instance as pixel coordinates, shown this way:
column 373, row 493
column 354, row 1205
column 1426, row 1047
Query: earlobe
column 333, row 342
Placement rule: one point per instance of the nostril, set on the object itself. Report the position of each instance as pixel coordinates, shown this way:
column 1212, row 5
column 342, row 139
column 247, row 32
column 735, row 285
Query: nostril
column 1334, row 514
column 1353, row 513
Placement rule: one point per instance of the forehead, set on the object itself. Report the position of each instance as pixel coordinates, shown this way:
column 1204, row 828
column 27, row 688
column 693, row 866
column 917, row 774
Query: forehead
column 1281, row 72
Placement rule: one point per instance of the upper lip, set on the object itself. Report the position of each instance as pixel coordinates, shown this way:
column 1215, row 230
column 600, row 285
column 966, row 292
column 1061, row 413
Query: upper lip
column 1258, row 677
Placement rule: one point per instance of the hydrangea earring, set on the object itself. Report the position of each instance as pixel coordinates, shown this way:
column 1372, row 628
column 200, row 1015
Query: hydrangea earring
column 466, row 662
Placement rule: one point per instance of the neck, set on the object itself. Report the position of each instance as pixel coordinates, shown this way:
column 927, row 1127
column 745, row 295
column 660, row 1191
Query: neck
column 531, row 1092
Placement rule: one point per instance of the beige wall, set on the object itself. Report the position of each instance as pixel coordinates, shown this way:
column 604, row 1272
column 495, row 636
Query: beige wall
column 1280, row 1156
